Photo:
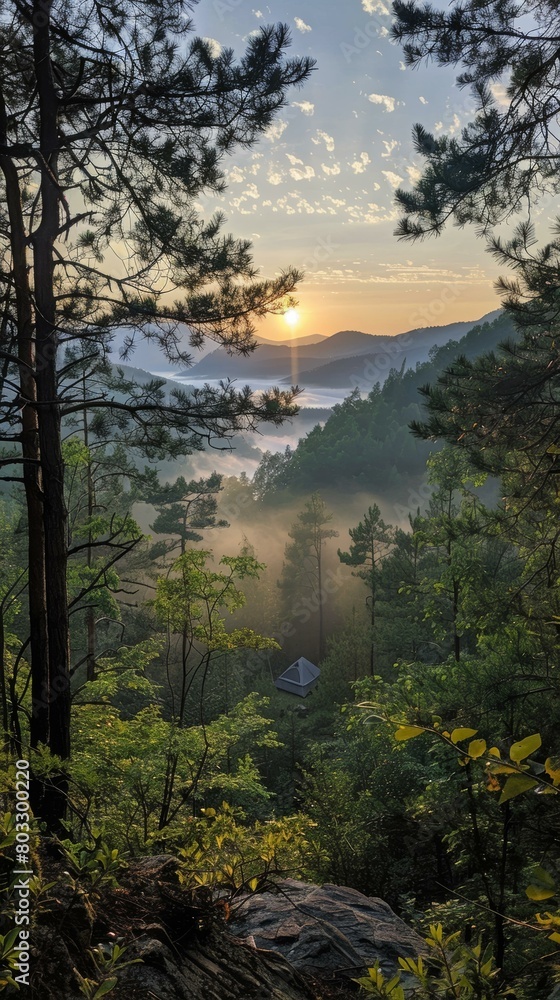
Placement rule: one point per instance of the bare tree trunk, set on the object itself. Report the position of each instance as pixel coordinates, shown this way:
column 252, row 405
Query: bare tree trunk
column 52, row 465
column 30, row 452
column 90, row 612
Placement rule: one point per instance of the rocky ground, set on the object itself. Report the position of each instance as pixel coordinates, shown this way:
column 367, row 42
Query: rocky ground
column 297, row 942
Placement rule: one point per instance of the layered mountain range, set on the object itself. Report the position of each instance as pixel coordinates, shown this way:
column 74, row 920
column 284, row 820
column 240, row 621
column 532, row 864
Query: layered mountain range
column 344, row 360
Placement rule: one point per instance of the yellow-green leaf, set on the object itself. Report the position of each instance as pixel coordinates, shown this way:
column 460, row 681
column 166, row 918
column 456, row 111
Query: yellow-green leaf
column 542, row 885
column 476, row 748
column 538, row 893
column 524, row 748
column 494, row 752
column 552, row 768
column 408, row 732
column 462, row 734
column 554, row 937
column 515, row 785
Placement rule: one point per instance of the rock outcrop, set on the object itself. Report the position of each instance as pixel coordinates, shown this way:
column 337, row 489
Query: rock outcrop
column 297, row 942
column 327, row 929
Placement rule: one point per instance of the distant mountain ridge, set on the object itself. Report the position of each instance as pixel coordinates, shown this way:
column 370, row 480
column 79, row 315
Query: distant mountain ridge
column 331, row 362
column 312, row 338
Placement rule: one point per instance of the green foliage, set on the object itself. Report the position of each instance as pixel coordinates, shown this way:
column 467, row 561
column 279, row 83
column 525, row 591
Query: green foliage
column 120, row 769
column 93, row 861
column 450, row 970
column 366, row 443
column 9, row 959
column 223, row 852
column 196, row 595
column 107, row 960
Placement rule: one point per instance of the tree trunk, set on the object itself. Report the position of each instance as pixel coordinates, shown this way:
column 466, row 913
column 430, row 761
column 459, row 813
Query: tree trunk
column 38, row 635
column 90, row 612
column 52, row 465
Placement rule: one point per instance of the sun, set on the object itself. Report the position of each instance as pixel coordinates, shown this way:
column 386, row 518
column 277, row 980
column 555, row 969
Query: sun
column 291, row 317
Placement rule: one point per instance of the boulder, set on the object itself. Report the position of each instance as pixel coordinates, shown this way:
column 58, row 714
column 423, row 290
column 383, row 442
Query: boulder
column 325, row 928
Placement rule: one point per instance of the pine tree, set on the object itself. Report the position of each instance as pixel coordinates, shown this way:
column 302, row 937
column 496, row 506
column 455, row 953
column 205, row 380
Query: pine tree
column 112, row 122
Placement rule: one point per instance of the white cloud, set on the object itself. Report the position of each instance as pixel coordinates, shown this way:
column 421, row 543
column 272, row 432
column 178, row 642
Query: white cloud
column 214, row 46
column 294, row 159
column 254, row 169
column 326, row 138
column 388, row 102
column 276, row 130
column 414, row 174
column 301, row 25
column 251, row 191
column 382, row 33
column 359, row 165
column 304, row 174
column 331, row 171
column 236, row 176
column 423, row 100
column 402, row 66
column 306, row 107
column 304, row 206
column 449, row 127
column 389, row 147
column 258, row 13
column 274, row 177
column 499, row 93
column 374, row 7
column 394, row 179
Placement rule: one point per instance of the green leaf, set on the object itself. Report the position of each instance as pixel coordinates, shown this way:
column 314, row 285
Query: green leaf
column 519, row 751
column 408, row 732
column 515, row 785
column 462, row 734
column 105, row 987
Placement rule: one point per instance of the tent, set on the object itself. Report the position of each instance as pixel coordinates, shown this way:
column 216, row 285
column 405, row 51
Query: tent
column 300, row 678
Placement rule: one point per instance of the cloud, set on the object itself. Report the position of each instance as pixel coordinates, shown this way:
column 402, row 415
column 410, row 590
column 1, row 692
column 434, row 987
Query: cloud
column 331, row 171
column 499, row 93
column 276, row 130
column 449, row 128
column 359, row 165
column 389, row 147
column 388, row 102
column 374, row 7
column 251, row 191
column 304, row 174
column 274, row 176
column 402, row 66
column 423, row 100
column 304, row 206
column 394, row 179
column 301, row 25
column 294, row 159
column 306, row 107
column 236, row 176
column 414, row 174
column 324, row 137
column 258, row 13
column 214, row 46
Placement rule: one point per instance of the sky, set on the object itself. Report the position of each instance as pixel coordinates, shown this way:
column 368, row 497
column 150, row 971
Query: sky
column 317, row 191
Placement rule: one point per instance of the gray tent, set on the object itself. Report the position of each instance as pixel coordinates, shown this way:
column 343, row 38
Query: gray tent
column 300, row 678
